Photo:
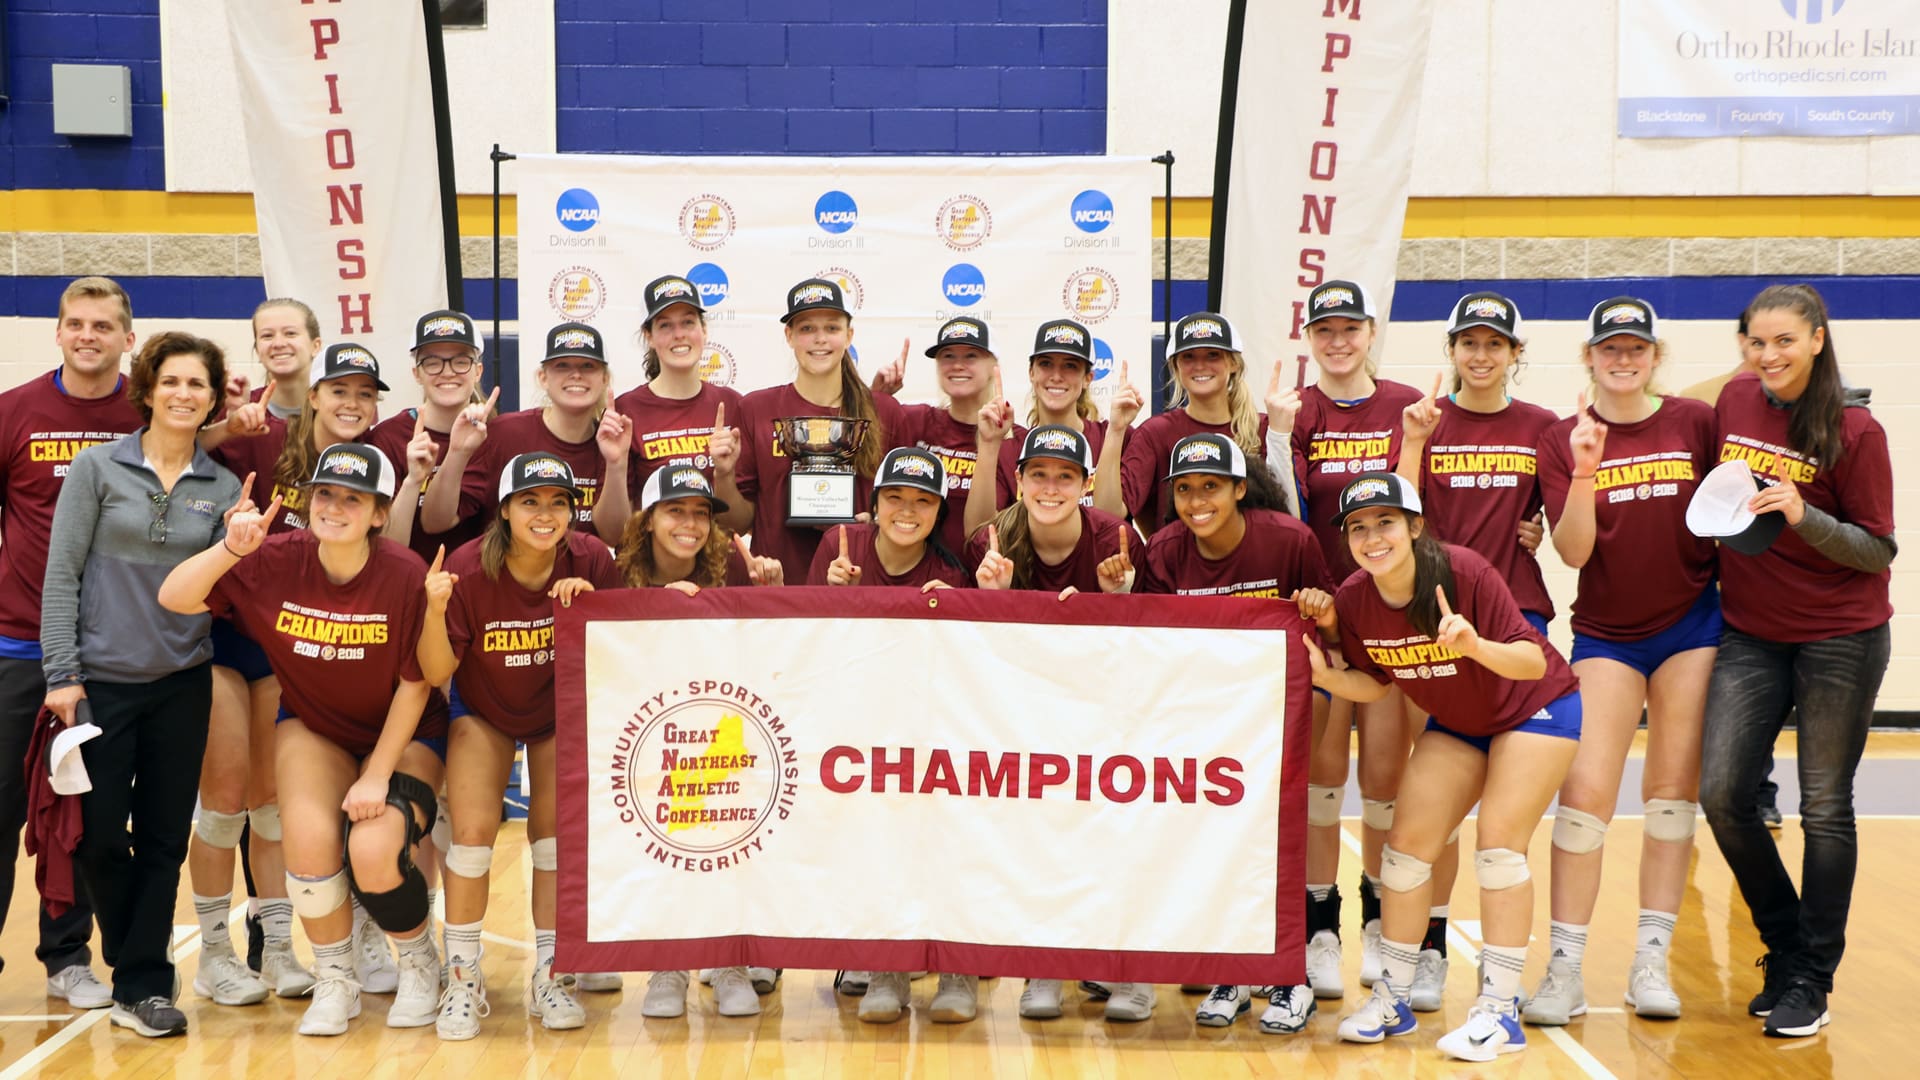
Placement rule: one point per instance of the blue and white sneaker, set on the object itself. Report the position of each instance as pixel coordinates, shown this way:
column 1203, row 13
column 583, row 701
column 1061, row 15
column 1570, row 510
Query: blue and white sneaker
column 1378, row 1017
column 1223, row 1006
column 1492, row 1028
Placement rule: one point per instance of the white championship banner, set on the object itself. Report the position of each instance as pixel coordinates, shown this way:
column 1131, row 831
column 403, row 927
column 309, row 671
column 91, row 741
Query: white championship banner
column 912, row 241
column 983, row 782
column 340, row 137
column 1322, row 154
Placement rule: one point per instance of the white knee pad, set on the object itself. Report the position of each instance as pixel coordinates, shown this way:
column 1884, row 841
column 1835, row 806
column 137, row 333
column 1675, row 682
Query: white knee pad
column 1500, row 868
column 1323, row 804
column 1377, row 813
column 469, row 860
column 220, row 830
column 1671, row 819
column 317, row 898
column 442, row 828
column 265, row 821
column 1402, row 872
column 546, row 854
column 1577, row 832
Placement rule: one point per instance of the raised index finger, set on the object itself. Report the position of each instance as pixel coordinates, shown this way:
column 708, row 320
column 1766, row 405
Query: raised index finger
column 1273, row 384
column 1580, row 403
column 266, row 392
column 1435, row 392
column 419, row 423
column 1446, row 610
column 1123, row 539
column 438, row 558
column 993, row 539
column 720, row 417
column 843, row 541
column 493, row 399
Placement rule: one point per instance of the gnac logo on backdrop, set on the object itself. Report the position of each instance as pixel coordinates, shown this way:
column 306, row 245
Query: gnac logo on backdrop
column 712, row 282
column 577, row 209
column 836, row 212
column 1812, row 11
column 964, row 285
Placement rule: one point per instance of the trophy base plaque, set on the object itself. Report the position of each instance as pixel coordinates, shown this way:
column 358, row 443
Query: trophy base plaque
column 820, row 499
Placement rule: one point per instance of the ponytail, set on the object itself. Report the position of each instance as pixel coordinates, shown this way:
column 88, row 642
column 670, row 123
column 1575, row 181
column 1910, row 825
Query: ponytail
column 298, row 455
column 856, row 401
column 1016, row 542
column 1431, row 567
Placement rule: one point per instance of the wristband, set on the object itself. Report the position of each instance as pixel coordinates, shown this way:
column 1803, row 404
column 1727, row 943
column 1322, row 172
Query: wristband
column 1580, row 476
column 229, row 547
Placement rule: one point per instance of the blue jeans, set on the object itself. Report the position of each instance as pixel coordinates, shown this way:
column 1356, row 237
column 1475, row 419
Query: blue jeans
column 1755, row 684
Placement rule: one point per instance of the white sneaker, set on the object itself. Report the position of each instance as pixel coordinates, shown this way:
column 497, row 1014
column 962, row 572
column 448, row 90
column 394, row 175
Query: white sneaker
column 764, row 979
column 1323, row 965
column 599, row 982
column 956, row 1000
column 666, row 995
column 372, row 960
column 1288, row 1010
column 1223, row 1006
column 224, row 980
column 282, row 971
column 886, row 998
column 1370, row 953
column 336, row 1000
column 1040, row 1000
column 1491, row 1029
column 416, row 999
column 733, row 992
column 1560, row 997
column 706, row 976
column 1097, row 990
column 551, row 999
column 1130, row 1002
column 852, row 983
column 1429, row 982
column 462, row 1006
column 1382, row 1016
column 80, row 988
column 1649, row 993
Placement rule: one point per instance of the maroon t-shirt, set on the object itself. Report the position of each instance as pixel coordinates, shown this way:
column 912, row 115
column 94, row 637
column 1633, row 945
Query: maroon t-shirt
column 1149, row 453
column 1007, row 472
column 1099, row 541
column 1457, row 692
column 669, row 432
column 390, row 437
column 1333, row 443
column 860, row 552
column 1647, row 568
column 1790, row 592
column 502, row 634
column 524, row 432
column 260, row 455
column 41, row 429
column 1277, row 556
column 340, row 651
column 934, row 430
column 1480, row 480
column 761, row 474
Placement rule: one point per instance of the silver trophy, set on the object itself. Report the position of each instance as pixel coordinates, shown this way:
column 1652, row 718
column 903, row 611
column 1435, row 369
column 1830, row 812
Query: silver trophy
column 820, row 486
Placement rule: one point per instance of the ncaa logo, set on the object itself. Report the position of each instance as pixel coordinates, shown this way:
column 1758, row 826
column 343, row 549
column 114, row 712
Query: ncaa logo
column 712, row 282
column 716, row 365
column 1102, row 359
column 577, row 209
column 1092, row 211
column 1812, row 10
column 836, row 212
column 964, row 285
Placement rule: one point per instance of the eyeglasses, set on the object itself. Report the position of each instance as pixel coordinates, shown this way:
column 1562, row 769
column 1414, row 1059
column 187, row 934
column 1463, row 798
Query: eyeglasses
column 157, row 528
column 459, row 365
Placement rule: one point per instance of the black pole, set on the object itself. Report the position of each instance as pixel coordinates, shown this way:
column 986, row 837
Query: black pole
column 443, row 145
column 493, row 352
column 1223, row 154
column 1166, row 266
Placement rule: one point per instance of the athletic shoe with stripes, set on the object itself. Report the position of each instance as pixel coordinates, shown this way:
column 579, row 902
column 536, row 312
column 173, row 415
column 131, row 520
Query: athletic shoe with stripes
column 666, row 995
column 1801, row 1010
column 1429, row 982
column 1560, row 997
column 1323, row 965
column 1492, row 1029
column 1223, row 1006
column 1040, row 1000
column 1288, row 1010
column 224, row 980
column 1650, row 993
column 1380, row 1017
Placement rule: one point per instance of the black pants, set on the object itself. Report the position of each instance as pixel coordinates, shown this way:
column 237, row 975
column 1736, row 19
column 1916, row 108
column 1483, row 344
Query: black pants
column 63, row 940
column 145, row 768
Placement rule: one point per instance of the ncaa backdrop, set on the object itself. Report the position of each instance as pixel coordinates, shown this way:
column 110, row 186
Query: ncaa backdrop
column 912, row 241
column 990, row 782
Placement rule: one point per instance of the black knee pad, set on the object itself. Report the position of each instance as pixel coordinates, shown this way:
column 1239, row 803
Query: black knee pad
column 401, row 909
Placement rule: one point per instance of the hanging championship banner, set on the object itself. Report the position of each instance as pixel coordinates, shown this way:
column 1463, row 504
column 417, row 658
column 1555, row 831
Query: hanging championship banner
column 1694, row 68
column 1317, row 132
column 340, row 138
column 1014, row 241
column 958, row 781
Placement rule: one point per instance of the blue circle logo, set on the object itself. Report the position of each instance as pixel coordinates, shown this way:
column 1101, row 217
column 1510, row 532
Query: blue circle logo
column 577, row 209
column 1811, row 11
column 836, row 212
column 1102, row 359
column 1092, row 211
column 711, row 281
column 964, row 285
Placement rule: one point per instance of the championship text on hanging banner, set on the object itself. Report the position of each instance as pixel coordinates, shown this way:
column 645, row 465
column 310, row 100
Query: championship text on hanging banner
column 986, row 765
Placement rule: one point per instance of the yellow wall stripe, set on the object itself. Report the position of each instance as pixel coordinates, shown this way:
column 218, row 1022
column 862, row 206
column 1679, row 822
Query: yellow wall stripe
column 181, row 212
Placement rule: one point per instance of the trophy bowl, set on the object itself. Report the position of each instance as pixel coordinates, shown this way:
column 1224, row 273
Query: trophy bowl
column 821, row 441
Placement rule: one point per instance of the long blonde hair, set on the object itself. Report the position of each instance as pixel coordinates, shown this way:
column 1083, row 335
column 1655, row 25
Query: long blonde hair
column 1085, row 408
column 1245, row 421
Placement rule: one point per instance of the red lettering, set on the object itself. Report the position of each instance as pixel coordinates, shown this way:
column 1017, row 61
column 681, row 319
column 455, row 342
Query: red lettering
column 353, row 264
column 1330, row 151
column 1314, row 262
column 1339, row 47
column 1083, row 787
column 994, row 781
column 1299, row 318
column 1180, row 779
column 1332, row 92
column 1045, row 770
column 1223, row 774
column 340, row 149
column 348, row 311
column 1316, row 213
column 1343, row 5
column 346, row 198
column 333, row 94
column 1137, row 776
column 325, row 32
column 939, row 775
column 830, row 775
column 900, row 769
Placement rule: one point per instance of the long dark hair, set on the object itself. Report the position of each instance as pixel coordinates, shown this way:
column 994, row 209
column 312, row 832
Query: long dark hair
column 1431, row 567
column 1815, row 419
column 1263, row 493
column 497, row 542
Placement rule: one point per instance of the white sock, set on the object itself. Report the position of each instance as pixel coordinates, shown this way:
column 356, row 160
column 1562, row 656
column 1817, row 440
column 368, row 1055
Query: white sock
column 212, row 911
column 335, row 960
column 543, row 949
column 276, row 920
column 463, row 945
column 1320, row 892
column 1438, row 911
column 1500, row 967
column 420, row 944
column 1568, row 942
column 1656, row 931
column 1398, row 960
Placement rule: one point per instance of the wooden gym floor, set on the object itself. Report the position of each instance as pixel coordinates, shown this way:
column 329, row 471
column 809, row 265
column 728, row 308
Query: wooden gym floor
column 807, row 1031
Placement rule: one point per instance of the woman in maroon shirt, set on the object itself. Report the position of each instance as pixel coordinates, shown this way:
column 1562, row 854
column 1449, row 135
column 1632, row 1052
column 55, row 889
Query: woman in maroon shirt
column 1503, row 724
column 337, row 609
column 969, row 376
column 446, row 364
column 489, row 628
column 1808, row 619
column 673, row 411
column 901, row 547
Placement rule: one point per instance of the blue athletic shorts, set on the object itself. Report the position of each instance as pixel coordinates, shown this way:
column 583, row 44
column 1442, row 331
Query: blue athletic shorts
column 1560, row 718
column 1699, row 628
column 455, row 707
column 233, row 649
column 1536, row 620
column 437, row 744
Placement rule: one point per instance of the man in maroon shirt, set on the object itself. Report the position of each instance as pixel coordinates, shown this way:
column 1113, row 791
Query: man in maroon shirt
column 43, row 424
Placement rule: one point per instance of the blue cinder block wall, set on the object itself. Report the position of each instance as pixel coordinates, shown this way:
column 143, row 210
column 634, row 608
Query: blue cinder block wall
column 41, row 33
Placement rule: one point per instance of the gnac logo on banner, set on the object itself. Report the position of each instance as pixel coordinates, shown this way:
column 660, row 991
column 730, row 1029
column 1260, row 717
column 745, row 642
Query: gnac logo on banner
column 577, row 209
column 1812, row 11
column 964, row 285
column 712, row 282
column 1092, row 211
column 836, row 212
